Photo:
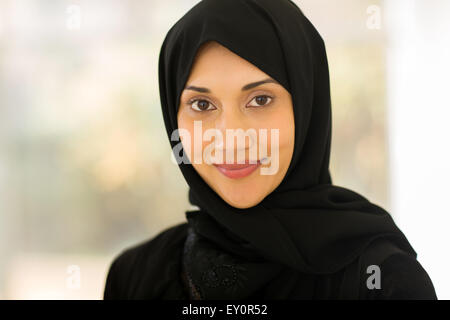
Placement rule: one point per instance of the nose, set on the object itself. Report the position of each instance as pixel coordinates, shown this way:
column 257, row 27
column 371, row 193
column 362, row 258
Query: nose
column 230, row 118
column 233, row 119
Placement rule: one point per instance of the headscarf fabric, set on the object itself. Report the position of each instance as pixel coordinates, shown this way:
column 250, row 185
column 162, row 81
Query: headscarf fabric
column 307, row 224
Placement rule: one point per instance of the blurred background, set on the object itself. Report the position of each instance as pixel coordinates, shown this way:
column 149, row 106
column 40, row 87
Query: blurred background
column 85, row 166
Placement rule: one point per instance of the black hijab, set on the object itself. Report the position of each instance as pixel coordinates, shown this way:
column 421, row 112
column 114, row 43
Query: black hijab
column 307, row 224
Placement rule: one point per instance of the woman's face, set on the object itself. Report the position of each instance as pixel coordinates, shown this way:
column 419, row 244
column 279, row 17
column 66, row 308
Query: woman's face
column 226, row 92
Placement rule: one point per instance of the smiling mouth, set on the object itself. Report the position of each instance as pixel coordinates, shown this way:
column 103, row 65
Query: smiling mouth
column 237, row 170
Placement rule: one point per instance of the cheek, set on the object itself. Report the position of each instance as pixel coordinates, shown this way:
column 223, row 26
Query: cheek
column 287, row 136
column 186, row 131
column 193, row 143
column 283, row 123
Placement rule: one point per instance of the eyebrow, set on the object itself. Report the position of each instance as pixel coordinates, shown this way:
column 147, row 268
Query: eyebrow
column 246, row 87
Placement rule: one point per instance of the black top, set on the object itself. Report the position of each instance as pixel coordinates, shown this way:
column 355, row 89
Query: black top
column 153, row 270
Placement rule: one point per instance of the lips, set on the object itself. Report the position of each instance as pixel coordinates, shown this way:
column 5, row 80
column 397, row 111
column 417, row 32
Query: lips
column 237, row 170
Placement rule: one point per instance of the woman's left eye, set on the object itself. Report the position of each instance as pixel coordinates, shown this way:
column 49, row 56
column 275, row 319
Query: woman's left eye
column 260, row 101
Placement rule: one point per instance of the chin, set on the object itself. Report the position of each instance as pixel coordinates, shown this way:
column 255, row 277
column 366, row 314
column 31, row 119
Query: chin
column 239, row 193
column 240, row 202
column 242, row 205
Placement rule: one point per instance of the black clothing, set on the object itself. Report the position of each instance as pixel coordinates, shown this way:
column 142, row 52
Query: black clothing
column 152, row 270
column 308, row 238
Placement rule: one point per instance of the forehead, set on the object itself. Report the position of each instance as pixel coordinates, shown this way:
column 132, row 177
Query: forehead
column 215, row 61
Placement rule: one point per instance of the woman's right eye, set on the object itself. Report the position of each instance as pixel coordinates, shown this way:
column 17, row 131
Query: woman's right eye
column 201, row 105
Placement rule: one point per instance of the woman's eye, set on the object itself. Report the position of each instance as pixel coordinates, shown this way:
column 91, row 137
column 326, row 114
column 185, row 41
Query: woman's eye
column 260, row 101
column 201, row 105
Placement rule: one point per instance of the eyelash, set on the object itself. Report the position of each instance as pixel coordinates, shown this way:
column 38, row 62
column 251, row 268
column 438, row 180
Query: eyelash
column 192, row 101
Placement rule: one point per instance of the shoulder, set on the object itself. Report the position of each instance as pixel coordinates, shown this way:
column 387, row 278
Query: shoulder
column 399, row 276
column 130, row 266
column 171, row 236
column 403, row 277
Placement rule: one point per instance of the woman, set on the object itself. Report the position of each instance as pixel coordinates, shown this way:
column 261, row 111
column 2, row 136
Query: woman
column 269, row 224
